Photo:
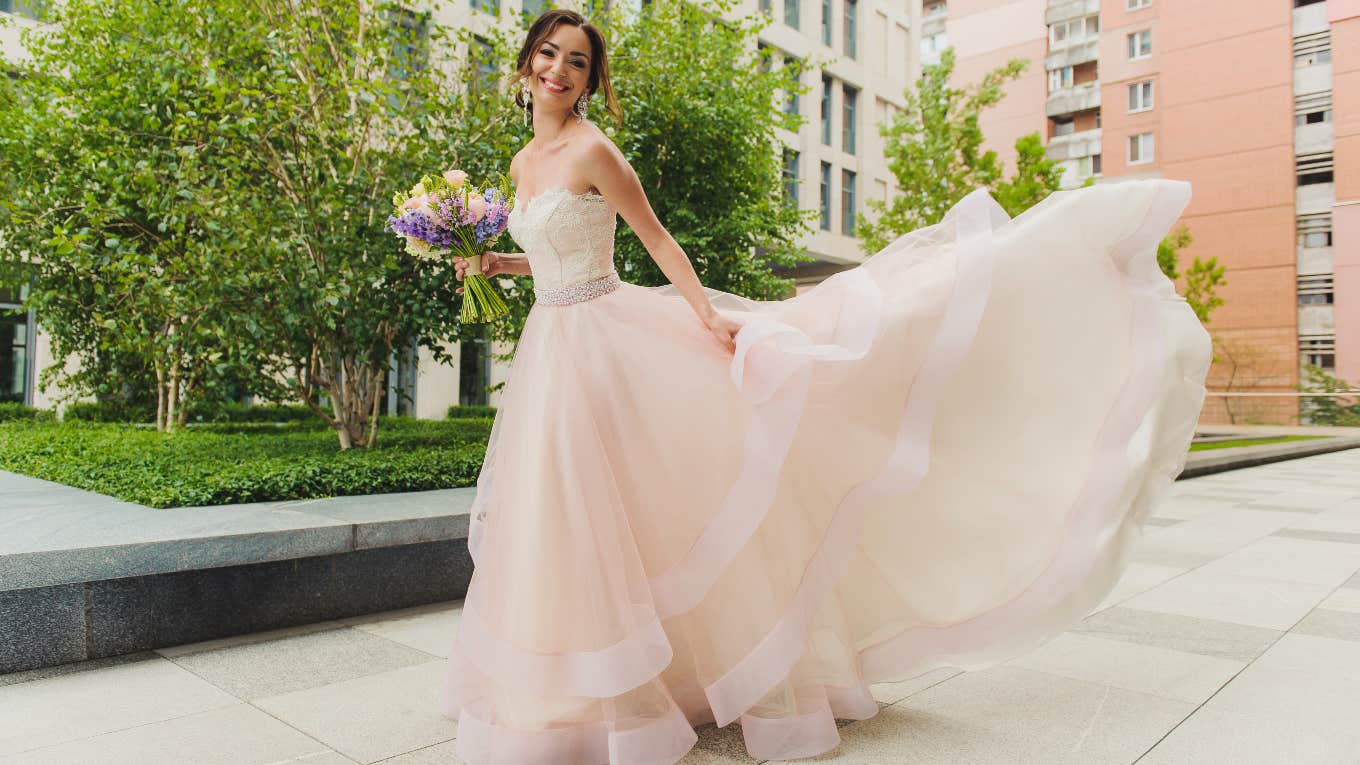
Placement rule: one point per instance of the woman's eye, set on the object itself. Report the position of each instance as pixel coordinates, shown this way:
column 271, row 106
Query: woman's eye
column 579, row 65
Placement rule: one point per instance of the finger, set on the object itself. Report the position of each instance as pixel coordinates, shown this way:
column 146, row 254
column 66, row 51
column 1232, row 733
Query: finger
column 459, row 290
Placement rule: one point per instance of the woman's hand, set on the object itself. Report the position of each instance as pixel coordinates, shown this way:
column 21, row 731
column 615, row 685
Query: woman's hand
column 725, row 329
column 492, row 264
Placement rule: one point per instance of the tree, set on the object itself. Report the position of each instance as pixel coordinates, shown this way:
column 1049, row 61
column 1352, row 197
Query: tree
column 934, row 149
column 118, row 210
column 279, row 130
column 1330, row 408
column 1036, row 176
column 1202, row 280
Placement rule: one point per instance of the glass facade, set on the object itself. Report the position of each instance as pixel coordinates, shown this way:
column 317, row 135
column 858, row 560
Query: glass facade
column 16, row 348
column 826, row 196
column 474, row 370
column 848, row 202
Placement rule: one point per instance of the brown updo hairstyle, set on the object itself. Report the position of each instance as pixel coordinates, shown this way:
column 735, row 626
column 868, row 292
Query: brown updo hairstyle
column 543, row 28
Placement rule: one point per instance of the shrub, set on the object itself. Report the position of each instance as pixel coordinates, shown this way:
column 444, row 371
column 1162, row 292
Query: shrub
column 457, row 412
column 12, row 411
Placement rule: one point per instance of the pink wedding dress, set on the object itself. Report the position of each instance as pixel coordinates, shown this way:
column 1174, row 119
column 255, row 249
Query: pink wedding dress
column 938, row 458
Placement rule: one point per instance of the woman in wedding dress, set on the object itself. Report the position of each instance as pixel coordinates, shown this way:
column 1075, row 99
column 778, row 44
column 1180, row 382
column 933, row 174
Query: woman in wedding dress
column 697, row 507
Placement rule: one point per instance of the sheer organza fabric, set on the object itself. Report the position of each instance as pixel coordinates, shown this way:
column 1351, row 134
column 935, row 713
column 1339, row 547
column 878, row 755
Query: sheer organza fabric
column 938, row 458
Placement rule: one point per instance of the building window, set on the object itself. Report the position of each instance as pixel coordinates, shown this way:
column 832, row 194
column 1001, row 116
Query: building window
column 1095, row 164
column 1140, row 149
column 1315, row 230
column 826, row 109
column 1140, row 96
column 848, row 202
column 849, row 101
column 765, row 7
column 1074, row 30
column 850, row 28
column 826, row 196
column 532, row 9
column 18, row 8
column 16, row 347
column 492, row 7
column 1313, row 49
column 791, row 177
column 791, row 13
column 485, row 56
column 935, row 9
column 474, row 370
column 792, row 105
column 1318, row 350
column 1059, row 78
column 932, row 45
column 826, row 23
column 1315, row 289
column 1136, row 5
column 1315, row 168
column 1063, row 126
column 1140, row 44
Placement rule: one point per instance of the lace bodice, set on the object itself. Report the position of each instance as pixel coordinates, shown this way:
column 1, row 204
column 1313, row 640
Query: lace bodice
column 568, row 238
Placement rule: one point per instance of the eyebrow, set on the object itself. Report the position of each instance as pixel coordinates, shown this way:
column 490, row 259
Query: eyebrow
column 559, row 48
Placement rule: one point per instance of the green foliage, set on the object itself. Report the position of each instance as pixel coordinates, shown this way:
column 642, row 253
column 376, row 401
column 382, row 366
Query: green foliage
column 1036, row 176
column 933, row 147
column 1329, row 410
column 213, row 195
column 14, row 412
column 470, row 412
column 254, row 462
column 1203, row 279
column 1168, row 251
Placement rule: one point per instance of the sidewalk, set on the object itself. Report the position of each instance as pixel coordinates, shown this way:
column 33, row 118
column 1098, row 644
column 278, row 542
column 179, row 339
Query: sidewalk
column 1233, row 638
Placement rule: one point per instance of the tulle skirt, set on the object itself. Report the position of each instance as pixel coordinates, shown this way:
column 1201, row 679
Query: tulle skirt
column 938, row 458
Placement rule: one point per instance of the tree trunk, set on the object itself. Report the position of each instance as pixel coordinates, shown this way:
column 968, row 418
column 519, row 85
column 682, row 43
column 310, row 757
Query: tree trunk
column 160, row 396
column 171, row 415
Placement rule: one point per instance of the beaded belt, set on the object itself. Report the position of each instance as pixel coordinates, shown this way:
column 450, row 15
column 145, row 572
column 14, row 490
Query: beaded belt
column 578, row 293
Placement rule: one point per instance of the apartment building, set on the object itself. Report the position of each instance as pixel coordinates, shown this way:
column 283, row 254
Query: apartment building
column 834, row 163
column 1257, row 104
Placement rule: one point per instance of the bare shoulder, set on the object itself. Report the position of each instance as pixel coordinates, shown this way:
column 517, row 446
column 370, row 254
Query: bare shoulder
column 515, row 164
column 599, row 159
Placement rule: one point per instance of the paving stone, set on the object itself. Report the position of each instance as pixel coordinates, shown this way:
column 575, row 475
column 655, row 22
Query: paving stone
column 1322, row 622
column 1146, row 669
column 299, row 662
column 75, row 706
column 1011, row 715
column 234, row 735
column 1320, row 536
column 1252, row 601
column 891, row 693
column 1180, row 633
column 371, row 718
column 1289, row 559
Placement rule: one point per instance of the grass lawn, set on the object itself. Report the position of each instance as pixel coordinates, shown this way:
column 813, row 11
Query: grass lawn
column 1249, row 442
column 246, row 462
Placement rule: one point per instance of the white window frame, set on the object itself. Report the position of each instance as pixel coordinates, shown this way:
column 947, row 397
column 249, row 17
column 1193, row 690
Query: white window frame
column 1141, row 97
column 1151, row 151
column 1136, row 5
column 1134, row 44
column 1060, row 79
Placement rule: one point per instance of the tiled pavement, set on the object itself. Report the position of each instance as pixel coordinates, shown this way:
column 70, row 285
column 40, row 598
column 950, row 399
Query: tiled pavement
column 1233, row 638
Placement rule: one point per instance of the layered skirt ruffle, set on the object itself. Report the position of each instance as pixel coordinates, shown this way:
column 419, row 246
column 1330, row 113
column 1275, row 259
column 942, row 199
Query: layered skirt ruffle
column 938, row 458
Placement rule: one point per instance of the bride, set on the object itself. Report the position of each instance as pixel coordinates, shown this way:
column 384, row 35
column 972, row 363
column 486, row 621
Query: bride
column 697, row 507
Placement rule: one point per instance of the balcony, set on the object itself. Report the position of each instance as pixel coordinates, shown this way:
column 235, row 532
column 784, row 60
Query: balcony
column 1064, row 10
column 1310, row 19
column 1314, row 198
column 1077, row 98
column 1312, row 79
column 1073, row 52
column 933, row 25
column 1317, row 319
column 1313, row 139
column 1075, row 145
column 1315, row 260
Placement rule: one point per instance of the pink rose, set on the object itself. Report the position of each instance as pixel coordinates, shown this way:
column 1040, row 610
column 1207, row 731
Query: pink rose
column 455, row 177
column 413, row 202
column 477, row 206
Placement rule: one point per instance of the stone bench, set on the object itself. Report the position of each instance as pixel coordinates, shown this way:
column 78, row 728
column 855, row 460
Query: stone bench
column 85, row 576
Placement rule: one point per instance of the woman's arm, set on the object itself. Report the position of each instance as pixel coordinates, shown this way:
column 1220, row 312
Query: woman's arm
column 610, row 172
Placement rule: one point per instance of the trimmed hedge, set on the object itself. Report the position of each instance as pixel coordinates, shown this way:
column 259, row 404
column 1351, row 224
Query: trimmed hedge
column 457, row 412
column 11, row 411
column 216, row 465
column 90, row 411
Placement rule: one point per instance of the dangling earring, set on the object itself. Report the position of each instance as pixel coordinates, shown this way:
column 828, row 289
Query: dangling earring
column 582, row 104
column 527, row 97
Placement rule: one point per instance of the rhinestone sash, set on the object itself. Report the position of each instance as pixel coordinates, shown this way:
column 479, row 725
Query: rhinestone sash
column 578, row 293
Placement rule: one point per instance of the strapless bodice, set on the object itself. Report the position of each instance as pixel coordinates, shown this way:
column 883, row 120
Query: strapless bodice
column 568, row 239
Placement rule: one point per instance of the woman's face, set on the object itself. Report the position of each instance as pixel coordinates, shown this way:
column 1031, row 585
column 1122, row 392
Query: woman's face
column 561, row 67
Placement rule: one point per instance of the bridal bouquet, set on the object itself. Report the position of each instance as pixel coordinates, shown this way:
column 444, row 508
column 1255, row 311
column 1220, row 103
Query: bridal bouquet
column 447, row 214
